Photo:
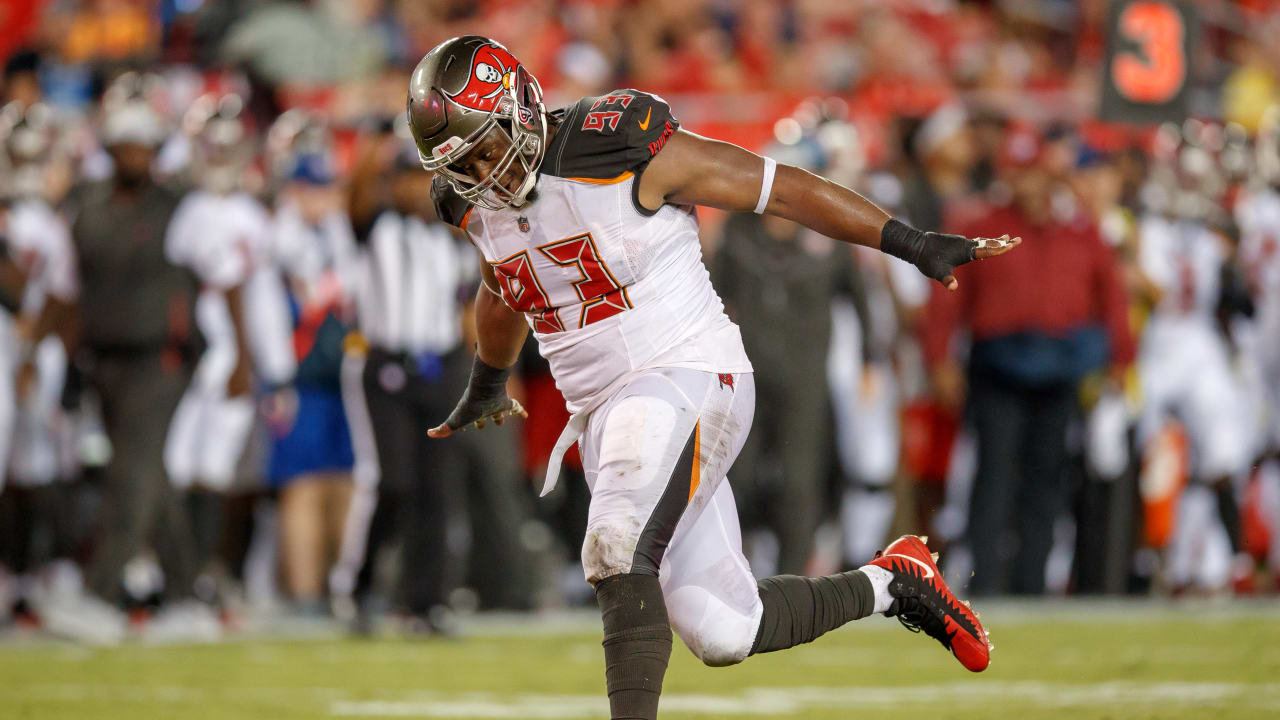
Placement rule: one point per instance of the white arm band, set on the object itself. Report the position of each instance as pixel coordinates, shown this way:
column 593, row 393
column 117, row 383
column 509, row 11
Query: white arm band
column 766, row 184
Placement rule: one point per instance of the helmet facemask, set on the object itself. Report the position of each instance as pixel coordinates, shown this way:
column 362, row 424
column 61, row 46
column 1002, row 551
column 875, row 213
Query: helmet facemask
column 519, row 120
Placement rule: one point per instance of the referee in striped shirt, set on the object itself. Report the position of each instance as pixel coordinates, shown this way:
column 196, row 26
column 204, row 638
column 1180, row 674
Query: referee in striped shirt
column 416, row 280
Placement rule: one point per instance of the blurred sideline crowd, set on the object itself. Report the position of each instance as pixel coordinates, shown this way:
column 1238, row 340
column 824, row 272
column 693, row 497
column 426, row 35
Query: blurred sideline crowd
column 230, row 312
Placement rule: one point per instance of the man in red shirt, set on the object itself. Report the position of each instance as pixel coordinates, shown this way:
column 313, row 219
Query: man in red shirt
column 1037, row 323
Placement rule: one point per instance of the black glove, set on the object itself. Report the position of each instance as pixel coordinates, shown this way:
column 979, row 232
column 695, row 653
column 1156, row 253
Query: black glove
column 936, row 254
column 485, row 398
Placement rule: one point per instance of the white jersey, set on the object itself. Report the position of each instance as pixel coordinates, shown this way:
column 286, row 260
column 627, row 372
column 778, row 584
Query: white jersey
column 314, row 257
column 1184, row 259
column 1258, row 215
column 317, row 263
column 223, row 238
column 1184, row 362
column 40, row 244
column 609, row 288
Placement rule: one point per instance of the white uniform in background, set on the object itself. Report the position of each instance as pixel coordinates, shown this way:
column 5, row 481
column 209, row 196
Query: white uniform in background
column 224, row 238
column 1258, row 215
column 314, row 258
column 1187, row 375
column 866, row 400
column 40, row 243
column 1183, row 359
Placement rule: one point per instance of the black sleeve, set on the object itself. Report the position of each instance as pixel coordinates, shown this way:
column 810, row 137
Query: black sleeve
column 605, row 136
column 450, row 207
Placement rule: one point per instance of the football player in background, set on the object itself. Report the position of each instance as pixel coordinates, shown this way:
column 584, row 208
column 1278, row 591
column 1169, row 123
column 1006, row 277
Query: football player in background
column 36, row 262
column 1258, row 217
column 242, row 313
column 586, row 219
column 1186, row 358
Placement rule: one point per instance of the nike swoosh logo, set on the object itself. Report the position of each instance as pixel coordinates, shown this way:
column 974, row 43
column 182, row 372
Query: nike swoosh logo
column 645, row 125
column 928, row 571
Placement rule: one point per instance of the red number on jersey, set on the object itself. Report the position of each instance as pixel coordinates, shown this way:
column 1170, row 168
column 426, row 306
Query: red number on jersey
column 522, row 292
column 1256, row 266
column 623, row 100
column 597, row 120
column 600, row 292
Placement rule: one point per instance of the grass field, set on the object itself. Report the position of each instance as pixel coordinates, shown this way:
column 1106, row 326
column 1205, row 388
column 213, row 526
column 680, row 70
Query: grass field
column 1109, row 660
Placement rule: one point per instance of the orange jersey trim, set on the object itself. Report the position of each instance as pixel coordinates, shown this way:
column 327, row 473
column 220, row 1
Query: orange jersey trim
column 603, row 181
column 696, row 479
column 466, row 217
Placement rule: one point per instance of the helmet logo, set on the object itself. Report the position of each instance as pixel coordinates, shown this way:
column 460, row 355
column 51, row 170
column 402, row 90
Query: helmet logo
column 443, row 149
column 490, row 68
column 487, row 73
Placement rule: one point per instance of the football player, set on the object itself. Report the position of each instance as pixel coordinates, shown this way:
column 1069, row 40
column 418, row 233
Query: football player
column 1258, row 217
column 222, row 222
column 586, row 219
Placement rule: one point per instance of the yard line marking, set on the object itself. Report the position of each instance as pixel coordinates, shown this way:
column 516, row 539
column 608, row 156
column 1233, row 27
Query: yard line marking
column 783, row 700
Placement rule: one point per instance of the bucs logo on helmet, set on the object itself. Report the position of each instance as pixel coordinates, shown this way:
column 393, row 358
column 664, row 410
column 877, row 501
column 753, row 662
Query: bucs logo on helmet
column 468, row 89
column 491, row 69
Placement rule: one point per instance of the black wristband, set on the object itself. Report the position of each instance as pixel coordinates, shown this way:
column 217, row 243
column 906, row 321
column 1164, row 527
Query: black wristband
column 902, row 241
column 487, row 380
column 485, row 396
column 935, row 254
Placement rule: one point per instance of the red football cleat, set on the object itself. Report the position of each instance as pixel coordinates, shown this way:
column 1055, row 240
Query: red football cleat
column 922, row 601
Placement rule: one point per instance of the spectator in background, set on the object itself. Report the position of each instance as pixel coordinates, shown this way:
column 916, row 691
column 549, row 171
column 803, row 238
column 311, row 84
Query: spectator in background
column 942, row 158
column 1254, row 84
column 1036, row 330
column 308, row 43
column 21, row 83
column 312, row 460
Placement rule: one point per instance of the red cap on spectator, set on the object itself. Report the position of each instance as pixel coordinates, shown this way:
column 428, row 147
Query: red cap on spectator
column 1022, row 148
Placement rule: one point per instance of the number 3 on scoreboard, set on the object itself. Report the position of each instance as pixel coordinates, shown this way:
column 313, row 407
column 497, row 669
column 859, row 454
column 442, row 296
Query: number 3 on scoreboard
column 1156, row 72
column 601, row 294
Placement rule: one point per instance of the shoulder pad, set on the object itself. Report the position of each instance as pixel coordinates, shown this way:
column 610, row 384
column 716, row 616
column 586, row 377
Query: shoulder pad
column 608, row 135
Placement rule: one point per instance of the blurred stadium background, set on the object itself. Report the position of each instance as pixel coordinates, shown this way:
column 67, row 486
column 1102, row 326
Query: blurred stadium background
column 210, row 336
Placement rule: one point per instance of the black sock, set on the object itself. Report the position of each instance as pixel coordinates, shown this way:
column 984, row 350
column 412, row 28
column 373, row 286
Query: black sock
column 637, row 644
column 798, row 610
column 1229, row 513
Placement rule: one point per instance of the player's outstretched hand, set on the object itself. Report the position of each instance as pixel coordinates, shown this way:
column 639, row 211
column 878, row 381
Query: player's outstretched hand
column 468, row 414
column 485, row 400
column 937, row 255
column 976, row 248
